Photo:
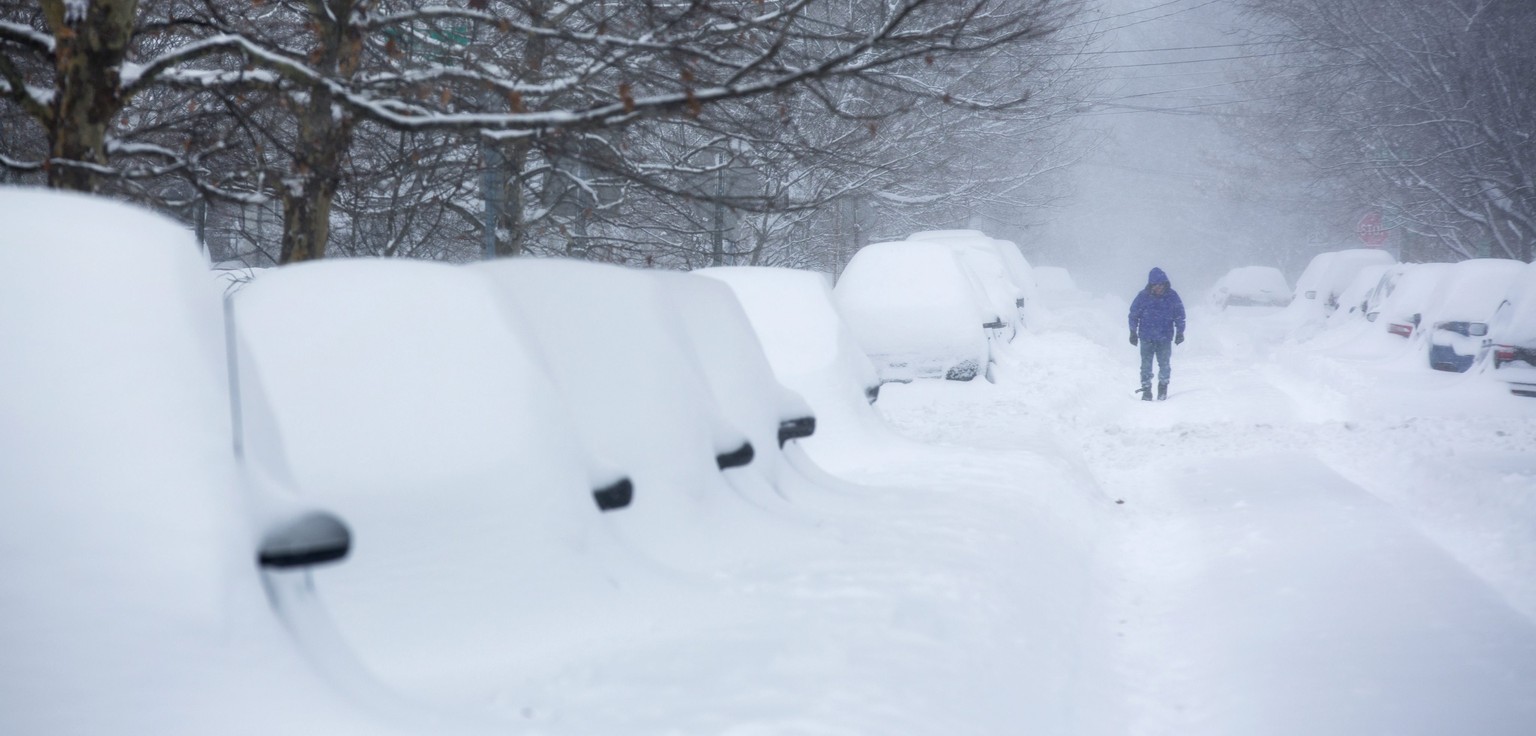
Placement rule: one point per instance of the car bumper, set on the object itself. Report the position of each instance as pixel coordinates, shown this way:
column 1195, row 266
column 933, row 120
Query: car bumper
column 1445, row 358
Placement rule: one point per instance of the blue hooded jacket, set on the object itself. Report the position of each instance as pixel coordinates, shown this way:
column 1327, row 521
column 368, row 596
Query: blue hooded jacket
column 1157, row 317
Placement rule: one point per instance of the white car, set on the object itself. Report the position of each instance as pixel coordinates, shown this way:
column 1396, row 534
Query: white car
column 743, row 383
column 998, row 264
column 146, row 570
column 625, row 367
column 1328, row 274
column 809, row 347
column 1355, row 299
column 915, row 309
column 1251, row 286
column 399, row 393
column 1402, row 312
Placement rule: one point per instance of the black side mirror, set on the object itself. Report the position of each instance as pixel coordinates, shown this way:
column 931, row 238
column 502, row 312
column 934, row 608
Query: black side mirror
column 872, row 393
column 1019, row 302
column 735, row 458
column 794, row 429
column 1415, row 319
column 313, row 538
column 615, row 495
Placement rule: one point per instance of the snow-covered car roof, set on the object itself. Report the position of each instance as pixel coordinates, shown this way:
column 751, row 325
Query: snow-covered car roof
column 399, row 393
column 1329, row 273
column 807, row 344
column 1354, row 299
column 739, row 376
column 946, row 234
column 1054, row 279
column 1411, row 294
column 998, row 268
column 1472, row 290
column 912, row 303
column 1262, row 284
column 626, row 371
column 132, row 600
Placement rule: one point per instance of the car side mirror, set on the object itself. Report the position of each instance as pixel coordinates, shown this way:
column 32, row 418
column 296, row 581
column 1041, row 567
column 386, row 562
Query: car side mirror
column 872, row 393
column 794, row 429
column 615, row 495
column 1019, row 302
column 735, row 458
column 312, row 538
column 995, row 324
column 1415, row 319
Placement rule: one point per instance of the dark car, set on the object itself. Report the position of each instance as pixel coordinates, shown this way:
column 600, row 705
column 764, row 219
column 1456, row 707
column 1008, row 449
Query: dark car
column 1462, row 306
column 1513, row 334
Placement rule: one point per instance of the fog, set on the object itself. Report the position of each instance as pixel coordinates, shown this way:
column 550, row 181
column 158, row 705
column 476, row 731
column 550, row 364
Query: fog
column 1168, row 181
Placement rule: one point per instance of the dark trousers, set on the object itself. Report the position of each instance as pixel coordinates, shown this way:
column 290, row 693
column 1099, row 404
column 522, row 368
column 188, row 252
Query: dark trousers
column 1163, row 351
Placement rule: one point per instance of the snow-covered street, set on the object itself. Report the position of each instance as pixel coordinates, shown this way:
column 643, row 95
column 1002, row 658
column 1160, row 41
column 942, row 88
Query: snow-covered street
column 1290, row 556
column 1300, row 549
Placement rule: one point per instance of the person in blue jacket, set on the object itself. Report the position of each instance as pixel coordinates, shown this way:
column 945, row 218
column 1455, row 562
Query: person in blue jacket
column 1157, row 324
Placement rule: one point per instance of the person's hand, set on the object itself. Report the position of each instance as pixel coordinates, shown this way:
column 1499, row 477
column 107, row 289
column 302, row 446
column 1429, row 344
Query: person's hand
column 1133, row 338
column 1178, row 339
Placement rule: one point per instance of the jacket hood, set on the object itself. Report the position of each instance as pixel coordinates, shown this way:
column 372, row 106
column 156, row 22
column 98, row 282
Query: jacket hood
column 1156, row 276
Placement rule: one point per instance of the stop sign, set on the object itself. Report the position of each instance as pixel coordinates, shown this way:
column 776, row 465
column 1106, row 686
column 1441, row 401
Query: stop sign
column 1371, row 231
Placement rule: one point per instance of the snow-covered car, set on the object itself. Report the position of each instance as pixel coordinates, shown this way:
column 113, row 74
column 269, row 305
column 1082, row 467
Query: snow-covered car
column 1383, row 289
column 743, row 384
column 915, row 309
column 1326, row 276
column 999, row 263
column 624, row 367
column 1355, row 299
column 808, row 346
column 399, row 393
column 1055, row 282
column 143, row 566
column 1251, row 286
column 1513, row 332
column 1463, row 304
column 1402, row 311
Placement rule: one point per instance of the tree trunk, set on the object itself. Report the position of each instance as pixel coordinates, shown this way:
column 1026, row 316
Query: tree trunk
column 510, row 219
column 324, row 135
column 91, row 40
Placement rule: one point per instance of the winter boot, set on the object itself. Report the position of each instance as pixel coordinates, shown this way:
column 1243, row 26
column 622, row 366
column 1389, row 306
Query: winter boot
column 1146, row 393
column 1162, row 391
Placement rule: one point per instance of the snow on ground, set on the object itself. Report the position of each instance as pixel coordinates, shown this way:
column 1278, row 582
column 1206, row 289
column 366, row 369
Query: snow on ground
column 1307, row 545
column 1292, row 543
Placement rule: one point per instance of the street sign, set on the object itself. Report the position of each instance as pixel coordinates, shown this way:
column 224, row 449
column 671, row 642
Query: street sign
column 1371, row 230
